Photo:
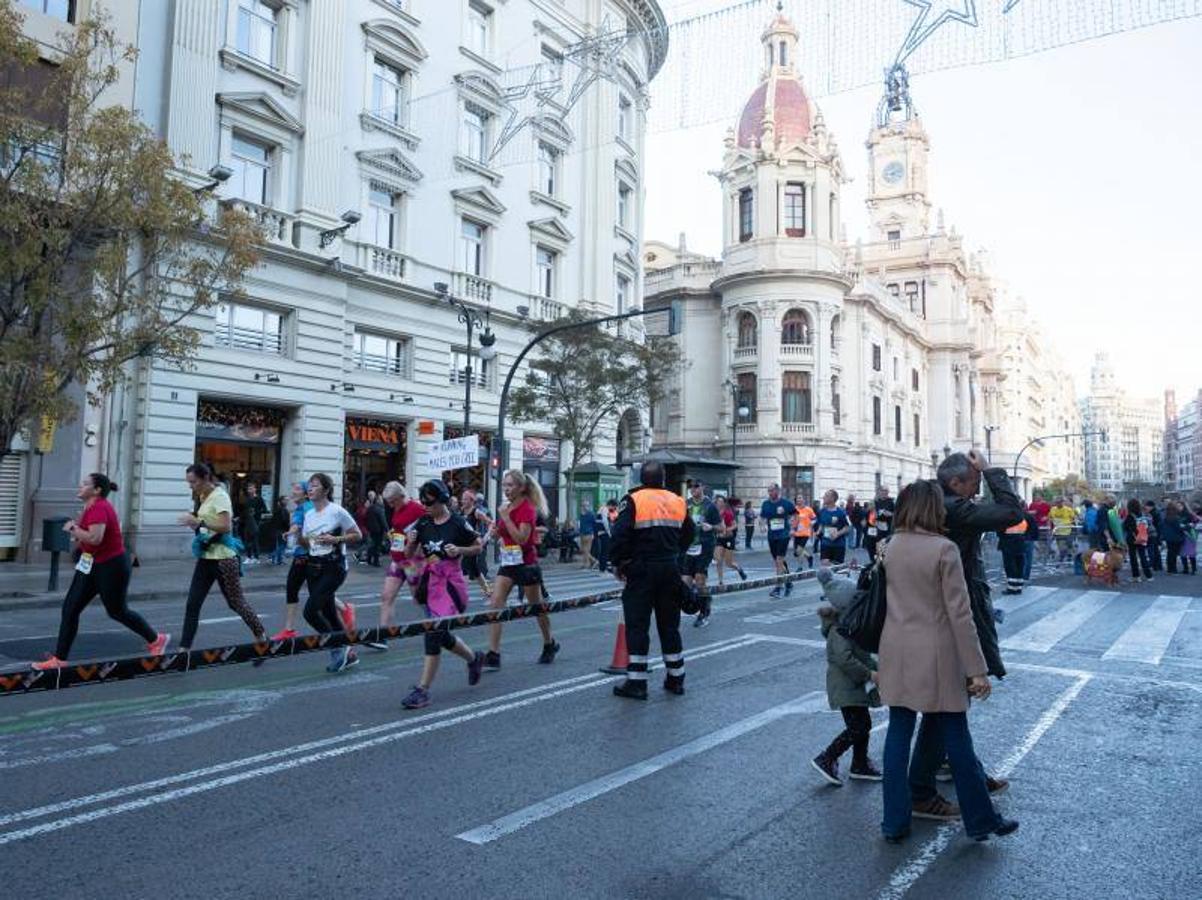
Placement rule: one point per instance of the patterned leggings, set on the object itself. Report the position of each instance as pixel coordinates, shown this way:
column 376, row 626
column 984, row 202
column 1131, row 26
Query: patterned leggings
column 226, row 573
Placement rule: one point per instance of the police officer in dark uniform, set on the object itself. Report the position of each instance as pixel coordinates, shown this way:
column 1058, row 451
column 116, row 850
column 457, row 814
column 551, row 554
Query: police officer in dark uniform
column 651, row 531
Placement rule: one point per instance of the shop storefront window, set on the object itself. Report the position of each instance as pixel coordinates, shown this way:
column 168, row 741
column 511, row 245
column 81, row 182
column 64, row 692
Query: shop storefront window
column 375, row 452
column 540, row 459
column 242, row 444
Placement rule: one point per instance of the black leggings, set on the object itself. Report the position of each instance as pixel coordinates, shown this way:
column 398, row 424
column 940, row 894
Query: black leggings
column 109, row 579
column 226, row 573
column 439, row 639
column 1174, row 550
column 298, row 577
column 324, row 580
column 1139, row 558
column 858, row 726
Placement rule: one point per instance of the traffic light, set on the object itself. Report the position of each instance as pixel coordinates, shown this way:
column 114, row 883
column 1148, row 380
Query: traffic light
column 498, row 454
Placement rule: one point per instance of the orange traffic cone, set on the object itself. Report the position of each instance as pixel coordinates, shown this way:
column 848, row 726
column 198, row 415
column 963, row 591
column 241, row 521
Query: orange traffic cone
column 621, row 655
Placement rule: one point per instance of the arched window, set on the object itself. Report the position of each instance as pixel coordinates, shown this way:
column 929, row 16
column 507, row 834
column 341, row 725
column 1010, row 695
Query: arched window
column 748, row 331
column 836, row 323
column 747, row 395
column 796, row 328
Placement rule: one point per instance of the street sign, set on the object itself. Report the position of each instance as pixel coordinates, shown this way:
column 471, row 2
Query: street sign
column 457, row 453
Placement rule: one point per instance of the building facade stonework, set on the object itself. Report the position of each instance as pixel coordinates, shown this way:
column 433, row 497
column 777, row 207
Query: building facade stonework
column 344, row 357
column 841, row 365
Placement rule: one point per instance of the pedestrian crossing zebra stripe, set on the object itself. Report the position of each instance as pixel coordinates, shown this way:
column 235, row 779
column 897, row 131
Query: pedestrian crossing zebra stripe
column 1044, row 634
column 1147, row 638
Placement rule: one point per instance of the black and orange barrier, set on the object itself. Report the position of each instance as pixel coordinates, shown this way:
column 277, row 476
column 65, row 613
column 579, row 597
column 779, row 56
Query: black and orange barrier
column 25, row 680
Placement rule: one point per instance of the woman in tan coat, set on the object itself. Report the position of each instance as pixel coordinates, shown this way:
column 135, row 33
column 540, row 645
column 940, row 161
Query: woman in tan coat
column 930, row 662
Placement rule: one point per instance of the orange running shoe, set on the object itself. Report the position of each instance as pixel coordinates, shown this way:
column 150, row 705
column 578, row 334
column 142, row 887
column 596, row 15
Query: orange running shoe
column 50, row 662
column 347, row 615
column 285, row 634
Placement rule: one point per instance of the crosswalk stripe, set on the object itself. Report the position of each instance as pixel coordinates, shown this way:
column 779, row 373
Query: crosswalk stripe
column 1149, row 636
column 1012, row 603
column 1042, row 636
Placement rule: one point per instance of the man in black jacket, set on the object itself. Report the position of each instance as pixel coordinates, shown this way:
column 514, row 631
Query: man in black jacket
column 967, row 519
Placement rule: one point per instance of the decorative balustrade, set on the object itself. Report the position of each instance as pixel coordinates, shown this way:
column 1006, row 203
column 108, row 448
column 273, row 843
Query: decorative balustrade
column 277, row 226
column 797, row 351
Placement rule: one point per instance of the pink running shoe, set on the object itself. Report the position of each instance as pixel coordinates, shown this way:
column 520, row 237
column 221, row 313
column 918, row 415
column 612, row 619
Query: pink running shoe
column 158, row 646
column 285, row 634
column 347, row 615
column 49, row 663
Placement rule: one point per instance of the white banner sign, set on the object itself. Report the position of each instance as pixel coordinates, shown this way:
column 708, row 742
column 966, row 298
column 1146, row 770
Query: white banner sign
column 457, row 453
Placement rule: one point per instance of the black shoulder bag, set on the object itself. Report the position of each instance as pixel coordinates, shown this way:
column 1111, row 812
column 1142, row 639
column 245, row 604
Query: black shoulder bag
column 864, row 620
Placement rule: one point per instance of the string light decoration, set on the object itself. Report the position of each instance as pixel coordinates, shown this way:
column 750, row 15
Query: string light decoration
column 714, row 61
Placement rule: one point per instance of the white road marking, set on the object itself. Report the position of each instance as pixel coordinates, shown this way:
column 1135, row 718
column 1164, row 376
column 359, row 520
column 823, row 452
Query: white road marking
column 1045, row 634
column 1014, row 602
column 303, row 754
column 811, row 702
column 1149, row 636
column 905, row 875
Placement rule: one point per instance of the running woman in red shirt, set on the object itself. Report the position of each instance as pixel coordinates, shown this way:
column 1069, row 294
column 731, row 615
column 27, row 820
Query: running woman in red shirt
column 403, row 568
column 515, row 530
column 103, row 568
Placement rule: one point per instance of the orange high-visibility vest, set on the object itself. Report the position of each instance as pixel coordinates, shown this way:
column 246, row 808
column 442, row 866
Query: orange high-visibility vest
column 657, row 508
column 1020, row 528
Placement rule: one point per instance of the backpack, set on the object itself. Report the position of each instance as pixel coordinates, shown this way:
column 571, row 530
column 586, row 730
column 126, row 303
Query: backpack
column 1142, row 526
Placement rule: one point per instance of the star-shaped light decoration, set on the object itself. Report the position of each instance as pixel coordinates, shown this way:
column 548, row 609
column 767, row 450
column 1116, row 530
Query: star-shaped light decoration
column 933, row 16
column 595, row 57
column 525, row 102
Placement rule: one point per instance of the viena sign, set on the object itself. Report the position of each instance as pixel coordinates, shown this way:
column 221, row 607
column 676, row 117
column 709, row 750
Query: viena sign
column 457, row 453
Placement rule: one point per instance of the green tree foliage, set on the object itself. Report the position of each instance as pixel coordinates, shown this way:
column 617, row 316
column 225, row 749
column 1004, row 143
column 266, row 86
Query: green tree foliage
column 583, row 379
column 104, row 252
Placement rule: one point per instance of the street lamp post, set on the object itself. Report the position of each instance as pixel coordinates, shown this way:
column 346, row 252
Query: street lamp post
column 989, row 430
column 739, row 412
column 471, row 319
column 1051, row 437
column 674, row 318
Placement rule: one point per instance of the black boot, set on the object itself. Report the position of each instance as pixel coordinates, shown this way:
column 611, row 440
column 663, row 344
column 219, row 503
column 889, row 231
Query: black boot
column 633, row 690
column 674, row 684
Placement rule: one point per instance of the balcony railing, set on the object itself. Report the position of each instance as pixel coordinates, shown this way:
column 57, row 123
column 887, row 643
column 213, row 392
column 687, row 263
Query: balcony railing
column 797, row 351
column 277, row 226
column 747, row 427
column 746, row 352
column 798, row 427
column 473, row 287
column 382, row 262
column 545, row 309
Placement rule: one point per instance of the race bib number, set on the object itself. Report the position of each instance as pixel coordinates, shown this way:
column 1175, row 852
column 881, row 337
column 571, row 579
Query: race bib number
column 776, row 524
column 872, row 531
column 511, row 555
column 85, row 563
column 316, row 549
column 398, row 542
column 694, row 550
column 829, row 532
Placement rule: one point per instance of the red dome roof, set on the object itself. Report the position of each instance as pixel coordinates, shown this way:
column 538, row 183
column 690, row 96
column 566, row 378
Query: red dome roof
column 790, row 114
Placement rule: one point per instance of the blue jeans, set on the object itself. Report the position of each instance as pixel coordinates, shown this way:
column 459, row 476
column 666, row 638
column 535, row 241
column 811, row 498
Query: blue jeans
column 1028, row 557
column 277, row 554
column 939, row 731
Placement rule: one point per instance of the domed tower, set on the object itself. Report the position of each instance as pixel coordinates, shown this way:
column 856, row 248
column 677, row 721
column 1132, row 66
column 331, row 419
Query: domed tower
column 782, row 172
column 782, row 279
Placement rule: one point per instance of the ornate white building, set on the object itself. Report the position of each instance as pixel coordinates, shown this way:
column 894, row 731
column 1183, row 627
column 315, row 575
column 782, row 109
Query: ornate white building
column 387, row 146
column 854, row 365
column 1132, row 450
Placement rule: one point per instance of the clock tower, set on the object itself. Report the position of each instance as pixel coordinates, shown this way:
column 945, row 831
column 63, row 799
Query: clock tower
column 898, row 147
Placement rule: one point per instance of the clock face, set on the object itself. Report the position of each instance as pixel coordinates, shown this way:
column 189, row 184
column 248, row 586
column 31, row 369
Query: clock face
column 893, row 173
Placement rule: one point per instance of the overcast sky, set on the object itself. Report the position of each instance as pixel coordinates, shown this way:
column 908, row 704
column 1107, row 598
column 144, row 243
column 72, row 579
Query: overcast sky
column 1078, row 169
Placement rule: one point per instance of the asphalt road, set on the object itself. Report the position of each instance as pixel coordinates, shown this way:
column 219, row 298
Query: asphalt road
column 284, row 781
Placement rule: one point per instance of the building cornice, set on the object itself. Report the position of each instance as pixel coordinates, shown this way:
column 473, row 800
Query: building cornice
column 836, row 279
